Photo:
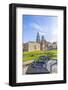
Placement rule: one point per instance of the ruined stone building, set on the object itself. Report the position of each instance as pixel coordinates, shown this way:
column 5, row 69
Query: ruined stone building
column 39, row 44
column 31, row 46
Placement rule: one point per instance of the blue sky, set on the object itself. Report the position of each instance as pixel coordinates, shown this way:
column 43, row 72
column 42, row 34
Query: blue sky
column 45, row 25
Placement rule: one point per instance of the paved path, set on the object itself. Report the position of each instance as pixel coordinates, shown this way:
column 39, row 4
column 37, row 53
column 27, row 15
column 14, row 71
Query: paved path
column 31, row 70
column 51, row 68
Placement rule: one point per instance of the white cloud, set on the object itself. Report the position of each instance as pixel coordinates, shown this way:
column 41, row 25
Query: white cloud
column 39, row 28
column 36, row 26
column 41, row 33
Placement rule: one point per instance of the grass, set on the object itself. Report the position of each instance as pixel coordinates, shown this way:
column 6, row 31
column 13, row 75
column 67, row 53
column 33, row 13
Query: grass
column 35, row 54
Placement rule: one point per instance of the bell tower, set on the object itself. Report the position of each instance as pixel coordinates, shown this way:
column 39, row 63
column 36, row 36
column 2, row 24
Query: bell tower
column 38, row 37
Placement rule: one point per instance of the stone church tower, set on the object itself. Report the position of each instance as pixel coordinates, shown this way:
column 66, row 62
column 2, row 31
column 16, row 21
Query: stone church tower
column 38, row 37
column 43, row 44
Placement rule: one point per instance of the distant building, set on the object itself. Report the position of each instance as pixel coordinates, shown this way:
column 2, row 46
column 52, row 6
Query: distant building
column 54, row 45
column 25, row 47
column 49, row 46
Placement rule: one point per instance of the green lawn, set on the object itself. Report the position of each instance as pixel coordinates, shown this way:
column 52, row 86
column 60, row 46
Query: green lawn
column 35, row 54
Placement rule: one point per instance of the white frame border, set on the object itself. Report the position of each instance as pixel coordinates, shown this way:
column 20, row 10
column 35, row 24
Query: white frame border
column 41, row 77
